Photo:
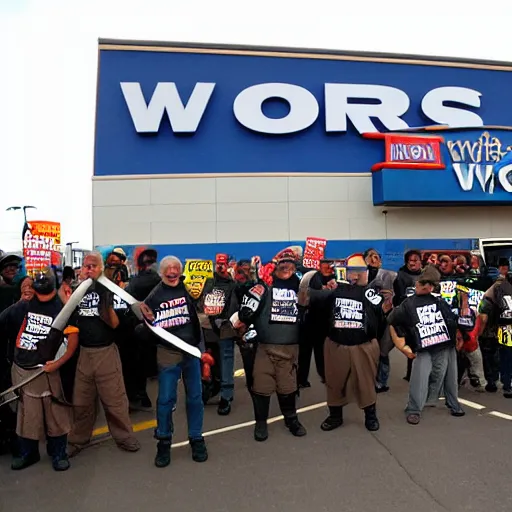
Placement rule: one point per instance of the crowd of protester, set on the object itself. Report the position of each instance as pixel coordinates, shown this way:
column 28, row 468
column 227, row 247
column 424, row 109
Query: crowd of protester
column 450, row 320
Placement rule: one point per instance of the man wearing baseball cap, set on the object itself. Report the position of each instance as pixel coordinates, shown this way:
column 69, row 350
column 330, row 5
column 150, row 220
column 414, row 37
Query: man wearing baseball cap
column 218, row 302
column 430, row 328
column 42, row 406
column 9, row 269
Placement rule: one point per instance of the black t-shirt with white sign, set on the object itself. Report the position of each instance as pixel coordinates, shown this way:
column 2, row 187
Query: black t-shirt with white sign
column 427, row 320
column 174, row 311
column 502, row 299
column 283, row 307
column 354, row 314
column 217, row 296
column 273, row 310
column 94, row 332
column 35, row 343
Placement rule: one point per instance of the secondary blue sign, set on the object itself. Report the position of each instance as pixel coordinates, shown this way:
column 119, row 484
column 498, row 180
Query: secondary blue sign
column 471, row 166
column 180, row 112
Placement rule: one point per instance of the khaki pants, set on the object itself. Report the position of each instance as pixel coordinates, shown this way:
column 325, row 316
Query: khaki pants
column 275, row 369
column 99, row 372
column 41, row 412
column 350, row 373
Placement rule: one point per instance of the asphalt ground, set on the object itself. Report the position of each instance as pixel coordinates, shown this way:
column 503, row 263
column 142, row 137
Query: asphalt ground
column 444, row 463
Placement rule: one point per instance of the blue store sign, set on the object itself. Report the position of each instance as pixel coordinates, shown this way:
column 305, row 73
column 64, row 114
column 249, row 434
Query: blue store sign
column 470, row 166
column 175, row 110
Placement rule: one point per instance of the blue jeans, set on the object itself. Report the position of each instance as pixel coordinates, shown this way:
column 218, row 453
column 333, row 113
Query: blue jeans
column 383, row 372
column 227, row 368
column 190, row 368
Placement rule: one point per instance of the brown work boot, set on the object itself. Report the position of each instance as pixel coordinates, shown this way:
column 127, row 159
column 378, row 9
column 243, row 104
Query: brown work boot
column 130, row 445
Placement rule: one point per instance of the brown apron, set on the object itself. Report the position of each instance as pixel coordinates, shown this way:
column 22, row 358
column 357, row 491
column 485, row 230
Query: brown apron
column 350, row 373
column 275, row 369
column 41, row 403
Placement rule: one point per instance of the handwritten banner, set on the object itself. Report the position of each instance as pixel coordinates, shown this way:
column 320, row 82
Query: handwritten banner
column 40, row 243
column 314, row 252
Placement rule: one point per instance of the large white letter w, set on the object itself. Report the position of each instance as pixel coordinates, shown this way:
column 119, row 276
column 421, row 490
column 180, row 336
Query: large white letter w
column 183, row 118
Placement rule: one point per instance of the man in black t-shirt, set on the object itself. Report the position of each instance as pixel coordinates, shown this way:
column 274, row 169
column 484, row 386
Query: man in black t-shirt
column 430, row 325
column 273, row 310
column 41, row 406
column 140, row 357
column 218, row 302
column 99, row 370
column 353, row 313
column 314, row 330
column 170, row 307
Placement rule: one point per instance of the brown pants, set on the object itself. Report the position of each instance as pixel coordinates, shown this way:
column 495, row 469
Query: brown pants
column 39, row 412
column 275, row 369
column 99, row 372
column 351, row 372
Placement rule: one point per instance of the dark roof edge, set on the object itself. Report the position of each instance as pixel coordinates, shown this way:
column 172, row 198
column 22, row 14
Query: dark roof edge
column 292, row 50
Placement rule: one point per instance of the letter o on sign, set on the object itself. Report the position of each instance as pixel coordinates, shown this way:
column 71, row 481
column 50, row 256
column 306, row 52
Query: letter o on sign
column 503, row 176
column 303, row 113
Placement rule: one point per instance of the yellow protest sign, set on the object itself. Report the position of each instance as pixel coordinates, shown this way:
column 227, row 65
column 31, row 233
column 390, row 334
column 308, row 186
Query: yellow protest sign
column 196, row 273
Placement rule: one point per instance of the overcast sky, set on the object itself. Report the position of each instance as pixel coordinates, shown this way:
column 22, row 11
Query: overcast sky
column 49, row 62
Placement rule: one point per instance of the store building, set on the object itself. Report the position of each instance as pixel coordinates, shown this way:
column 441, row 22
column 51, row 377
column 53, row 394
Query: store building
column 202, row 149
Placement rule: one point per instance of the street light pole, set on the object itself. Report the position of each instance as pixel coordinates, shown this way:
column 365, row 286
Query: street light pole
column 24, row 208
column 70, row 253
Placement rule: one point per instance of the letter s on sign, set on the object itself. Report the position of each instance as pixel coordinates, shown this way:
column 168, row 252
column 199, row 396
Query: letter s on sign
column 303, row 112
column 433, row 106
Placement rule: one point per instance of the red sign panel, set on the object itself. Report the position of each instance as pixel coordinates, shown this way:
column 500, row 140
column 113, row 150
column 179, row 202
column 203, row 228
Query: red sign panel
column 314, row 252
column 40, row 244
column 409, row 151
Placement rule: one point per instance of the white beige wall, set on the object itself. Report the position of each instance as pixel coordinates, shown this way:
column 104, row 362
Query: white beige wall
column 233, row 209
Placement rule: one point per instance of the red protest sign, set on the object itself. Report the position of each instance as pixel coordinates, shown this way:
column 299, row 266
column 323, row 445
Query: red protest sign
column 314, row 252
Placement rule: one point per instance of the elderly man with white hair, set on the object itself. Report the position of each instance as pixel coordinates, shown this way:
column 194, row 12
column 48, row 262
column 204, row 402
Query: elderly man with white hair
column 170, row 307
column 99, row 370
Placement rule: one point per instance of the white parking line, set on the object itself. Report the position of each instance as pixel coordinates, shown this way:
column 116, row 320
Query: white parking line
column 500, row 415
column 250, row 423
column 473, row 405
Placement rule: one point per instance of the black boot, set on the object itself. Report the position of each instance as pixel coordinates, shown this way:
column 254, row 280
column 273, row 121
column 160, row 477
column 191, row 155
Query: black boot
column 261, row 406
column 199, row 451
column 57, row 450
column 335, row 418
column 28, row 454
column 145, row 401
column 371, row 421
column 163, row 453
column 289, row 410
column 224, row 407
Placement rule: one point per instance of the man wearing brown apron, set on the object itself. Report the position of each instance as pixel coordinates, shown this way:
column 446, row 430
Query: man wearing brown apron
column 42, row 410
column 274, row 313
column 99, row 370
column 351, row 349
